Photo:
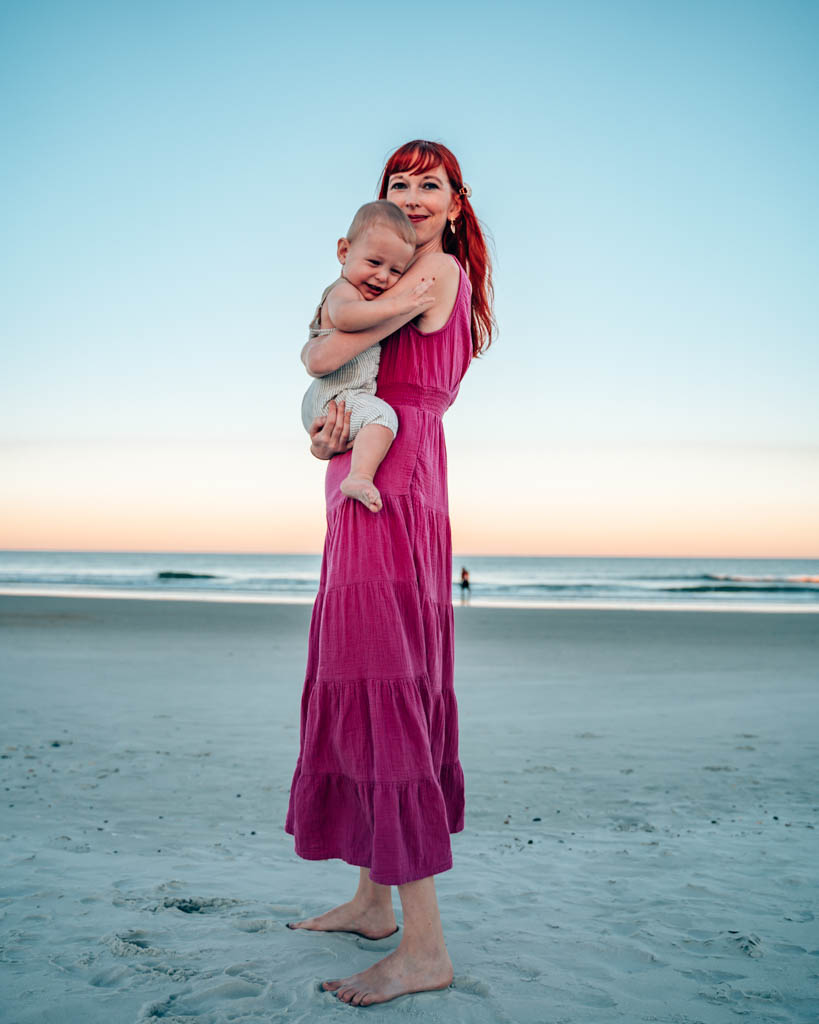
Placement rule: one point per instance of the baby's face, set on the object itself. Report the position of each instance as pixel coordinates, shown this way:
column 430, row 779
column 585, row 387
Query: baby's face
column 375, row 260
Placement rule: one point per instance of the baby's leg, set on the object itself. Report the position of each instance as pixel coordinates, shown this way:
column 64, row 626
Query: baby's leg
column 369, row 448
column 373, row 426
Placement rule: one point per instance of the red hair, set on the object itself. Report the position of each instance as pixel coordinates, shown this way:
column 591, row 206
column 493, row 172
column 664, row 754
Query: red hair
column 467, row 244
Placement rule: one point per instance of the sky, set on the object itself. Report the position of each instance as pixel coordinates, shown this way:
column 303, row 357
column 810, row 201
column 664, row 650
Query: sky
column 176, row 177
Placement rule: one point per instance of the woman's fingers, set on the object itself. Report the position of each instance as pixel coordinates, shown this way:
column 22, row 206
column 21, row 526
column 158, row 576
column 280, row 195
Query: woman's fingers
column 421, row 299
column 342, row 428
column 331, row 433
column 345, row 428
column 332, row 421
column 338, row 422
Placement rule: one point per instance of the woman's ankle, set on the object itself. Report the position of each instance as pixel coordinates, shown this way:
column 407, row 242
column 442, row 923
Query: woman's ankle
column 373, row 902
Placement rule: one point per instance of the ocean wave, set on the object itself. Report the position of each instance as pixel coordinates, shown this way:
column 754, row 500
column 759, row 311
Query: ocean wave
column 736, row 588
column 760, row 579
column 525, row 581
column 168, row 574
column 721, row 578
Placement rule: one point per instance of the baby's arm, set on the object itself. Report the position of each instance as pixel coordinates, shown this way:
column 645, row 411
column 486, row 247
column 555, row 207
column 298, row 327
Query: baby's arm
column 350, row 311
column 323, row 355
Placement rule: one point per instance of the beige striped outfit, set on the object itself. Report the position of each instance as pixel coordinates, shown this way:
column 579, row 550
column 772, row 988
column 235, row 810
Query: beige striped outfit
column 353, row 383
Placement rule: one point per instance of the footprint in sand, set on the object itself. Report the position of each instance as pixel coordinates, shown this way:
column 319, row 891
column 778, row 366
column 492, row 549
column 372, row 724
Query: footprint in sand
column 198, row 906
column 801, row 916
column 68, row 844
column 634, row 825
column 474, row 986
column 133, row 943
column 749, row 944
column 143, row 958
column 206, row 1004
column 257, row 925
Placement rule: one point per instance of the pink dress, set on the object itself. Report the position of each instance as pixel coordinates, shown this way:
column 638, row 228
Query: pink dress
column 378, row 782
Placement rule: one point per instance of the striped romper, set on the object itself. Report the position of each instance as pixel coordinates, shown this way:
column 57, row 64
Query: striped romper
column 353, row 383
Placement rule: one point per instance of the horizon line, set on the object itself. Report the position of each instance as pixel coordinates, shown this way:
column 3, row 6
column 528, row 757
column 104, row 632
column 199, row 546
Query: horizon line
column 459, row 555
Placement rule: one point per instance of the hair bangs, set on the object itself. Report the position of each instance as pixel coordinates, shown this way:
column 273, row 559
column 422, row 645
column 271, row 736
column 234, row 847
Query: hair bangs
column 415, row 158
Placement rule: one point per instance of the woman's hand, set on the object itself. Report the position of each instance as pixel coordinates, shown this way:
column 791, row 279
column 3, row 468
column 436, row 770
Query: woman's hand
column 330, row 434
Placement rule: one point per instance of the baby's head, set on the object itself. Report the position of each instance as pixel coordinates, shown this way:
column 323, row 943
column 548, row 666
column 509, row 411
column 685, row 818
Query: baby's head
column 377, row 249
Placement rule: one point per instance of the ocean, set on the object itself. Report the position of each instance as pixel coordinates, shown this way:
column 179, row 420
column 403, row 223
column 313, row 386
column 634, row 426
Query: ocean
column 726, row 584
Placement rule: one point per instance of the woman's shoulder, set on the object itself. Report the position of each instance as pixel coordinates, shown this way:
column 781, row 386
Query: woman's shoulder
column 447, row 287
column 441, row 264
column 447, row 273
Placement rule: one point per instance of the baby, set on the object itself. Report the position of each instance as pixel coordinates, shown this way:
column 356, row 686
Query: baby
column 376, row 251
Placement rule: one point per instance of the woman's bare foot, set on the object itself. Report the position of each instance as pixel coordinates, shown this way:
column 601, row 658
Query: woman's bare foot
column 398, row 974
column 371, row 922
column 362, row 488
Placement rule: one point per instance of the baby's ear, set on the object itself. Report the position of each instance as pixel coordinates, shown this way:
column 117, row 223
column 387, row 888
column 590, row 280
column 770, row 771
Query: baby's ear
column 343, row 249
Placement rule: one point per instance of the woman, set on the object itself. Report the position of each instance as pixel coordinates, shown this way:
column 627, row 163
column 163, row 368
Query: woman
column 378, row 782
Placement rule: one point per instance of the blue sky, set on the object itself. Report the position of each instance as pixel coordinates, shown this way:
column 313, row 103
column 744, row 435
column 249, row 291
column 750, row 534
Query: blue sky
column 177, row 175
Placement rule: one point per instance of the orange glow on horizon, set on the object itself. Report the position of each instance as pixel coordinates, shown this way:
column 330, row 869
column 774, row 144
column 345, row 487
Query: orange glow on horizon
column 589, row 501
column 245, row 534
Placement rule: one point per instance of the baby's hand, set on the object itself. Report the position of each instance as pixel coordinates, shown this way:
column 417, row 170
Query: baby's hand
column 418, row 300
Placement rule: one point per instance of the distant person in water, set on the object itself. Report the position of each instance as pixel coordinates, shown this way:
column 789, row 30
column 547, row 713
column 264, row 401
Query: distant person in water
column 465, row 589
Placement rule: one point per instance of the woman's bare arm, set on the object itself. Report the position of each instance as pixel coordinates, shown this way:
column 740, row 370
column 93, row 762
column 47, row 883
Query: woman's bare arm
column 443, row 269
column 349, row 311
column 323, row 355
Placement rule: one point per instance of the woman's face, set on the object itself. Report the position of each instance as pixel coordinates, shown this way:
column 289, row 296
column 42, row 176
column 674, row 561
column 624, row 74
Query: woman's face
column 429, row 202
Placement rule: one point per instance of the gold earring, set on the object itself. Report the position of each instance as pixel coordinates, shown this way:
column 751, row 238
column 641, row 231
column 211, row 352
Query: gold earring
column 452, row 226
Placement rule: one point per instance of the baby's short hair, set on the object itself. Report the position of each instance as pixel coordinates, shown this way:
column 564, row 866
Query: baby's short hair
column 382, row 211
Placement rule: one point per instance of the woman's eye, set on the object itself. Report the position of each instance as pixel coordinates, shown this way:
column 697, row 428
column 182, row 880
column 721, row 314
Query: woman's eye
column 430, row 184
column 398, row 184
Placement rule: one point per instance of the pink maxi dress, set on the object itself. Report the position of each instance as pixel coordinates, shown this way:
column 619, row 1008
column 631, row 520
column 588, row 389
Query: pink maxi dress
column 378, row 782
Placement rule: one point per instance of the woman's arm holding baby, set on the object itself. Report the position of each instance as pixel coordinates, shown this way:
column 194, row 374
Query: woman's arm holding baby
column 323, row 355
column 350, row 311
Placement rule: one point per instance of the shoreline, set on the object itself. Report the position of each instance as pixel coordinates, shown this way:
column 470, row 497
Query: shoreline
column 205, row 597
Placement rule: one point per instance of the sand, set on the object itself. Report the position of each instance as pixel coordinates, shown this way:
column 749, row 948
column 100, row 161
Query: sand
column 641, row 827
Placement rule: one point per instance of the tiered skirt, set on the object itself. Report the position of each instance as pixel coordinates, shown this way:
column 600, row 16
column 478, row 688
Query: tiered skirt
column 378, row 782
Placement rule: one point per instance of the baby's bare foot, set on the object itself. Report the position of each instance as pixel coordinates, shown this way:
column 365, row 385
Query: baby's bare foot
column 362, row 488
column 396, row 975
column 372, row 922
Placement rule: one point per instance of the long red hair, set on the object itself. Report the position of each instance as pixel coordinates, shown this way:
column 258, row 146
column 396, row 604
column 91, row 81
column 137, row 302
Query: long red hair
column 467, row 244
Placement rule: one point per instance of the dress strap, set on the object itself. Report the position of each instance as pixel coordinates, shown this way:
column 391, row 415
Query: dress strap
column 315, row 323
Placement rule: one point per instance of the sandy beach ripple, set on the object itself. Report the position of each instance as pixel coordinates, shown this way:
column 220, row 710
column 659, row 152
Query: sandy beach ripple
column 640, row 838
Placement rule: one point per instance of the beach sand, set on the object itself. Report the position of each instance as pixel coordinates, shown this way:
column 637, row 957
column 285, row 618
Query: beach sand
column 641, row 819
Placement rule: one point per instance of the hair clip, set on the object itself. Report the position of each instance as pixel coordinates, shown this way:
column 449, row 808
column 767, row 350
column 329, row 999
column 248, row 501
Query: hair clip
column 465, row 190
